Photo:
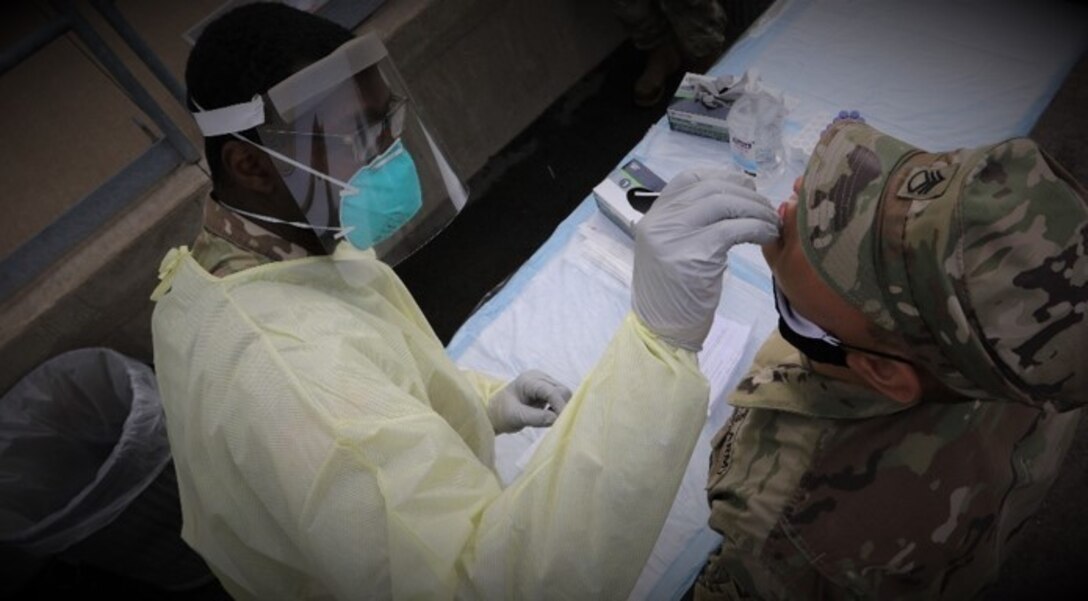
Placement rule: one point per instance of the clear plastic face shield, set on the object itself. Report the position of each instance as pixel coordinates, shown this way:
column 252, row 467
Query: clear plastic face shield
column 353, row 151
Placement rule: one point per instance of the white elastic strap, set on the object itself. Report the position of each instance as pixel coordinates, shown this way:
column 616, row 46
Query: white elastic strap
column 241, row 117
column 230, row 119
column 286, row 159
column 340, row 231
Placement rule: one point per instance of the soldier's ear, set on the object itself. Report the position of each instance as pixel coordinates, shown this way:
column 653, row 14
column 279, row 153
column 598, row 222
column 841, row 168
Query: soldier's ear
column 897, row 380
column 249, row 167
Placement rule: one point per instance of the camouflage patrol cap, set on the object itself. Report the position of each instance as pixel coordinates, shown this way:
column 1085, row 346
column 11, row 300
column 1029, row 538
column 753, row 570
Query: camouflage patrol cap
column 977, row 257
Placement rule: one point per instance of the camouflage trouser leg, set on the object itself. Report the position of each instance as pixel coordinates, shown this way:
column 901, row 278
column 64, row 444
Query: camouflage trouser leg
column 699, row 25
column 644, row 21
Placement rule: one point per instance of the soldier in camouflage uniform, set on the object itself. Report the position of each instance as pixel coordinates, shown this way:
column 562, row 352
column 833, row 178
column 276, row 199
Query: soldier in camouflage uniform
column 229, row 243
column 956, row 285
column 671, row 32
column 699, row 25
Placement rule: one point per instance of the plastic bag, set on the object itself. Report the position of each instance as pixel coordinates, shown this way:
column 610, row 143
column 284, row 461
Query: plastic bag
column 81, row 437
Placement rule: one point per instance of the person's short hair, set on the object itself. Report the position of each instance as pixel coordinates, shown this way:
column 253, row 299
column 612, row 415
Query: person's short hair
column 247, row 51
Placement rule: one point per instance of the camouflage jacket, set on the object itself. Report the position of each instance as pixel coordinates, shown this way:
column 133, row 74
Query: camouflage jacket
column 229, row 243
column 822, row 489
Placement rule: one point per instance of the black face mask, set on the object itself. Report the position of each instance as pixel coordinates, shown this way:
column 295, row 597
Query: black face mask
column 813, row 341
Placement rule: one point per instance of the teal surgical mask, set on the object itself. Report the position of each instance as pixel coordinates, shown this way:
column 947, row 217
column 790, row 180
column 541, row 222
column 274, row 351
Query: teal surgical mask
column 380, row 198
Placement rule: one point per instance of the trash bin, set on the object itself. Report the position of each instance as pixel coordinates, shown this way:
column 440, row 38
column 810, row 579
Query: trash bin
column 85, row 471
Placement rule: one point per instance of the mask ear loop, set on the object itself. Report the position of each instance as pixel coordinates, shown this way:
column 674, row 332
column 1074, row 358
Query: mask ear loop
column 298, row 224
column 345, row 188
column 799, row 323
column 800, row 326
column 341, row 232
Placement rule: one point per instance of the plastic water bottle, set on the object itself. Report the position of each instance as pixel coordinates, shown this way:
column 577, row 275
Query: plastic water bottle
column 755, row 133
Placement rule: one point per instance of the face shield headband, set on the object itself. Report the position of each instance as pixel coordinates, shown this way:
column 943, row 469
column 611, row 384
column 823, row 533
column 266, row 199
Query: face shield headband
column 813, row 341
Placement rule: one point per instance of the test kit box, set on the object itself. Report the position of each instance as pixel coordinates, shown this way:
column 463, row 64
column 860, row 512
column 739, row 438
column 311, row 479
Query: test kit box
column 627, row 193
column 689, row 115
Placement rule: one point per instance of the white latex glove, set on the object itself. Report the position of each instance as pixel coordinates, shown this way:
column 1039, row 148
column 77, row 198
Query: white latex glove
column 681, row 246
column 533, row 399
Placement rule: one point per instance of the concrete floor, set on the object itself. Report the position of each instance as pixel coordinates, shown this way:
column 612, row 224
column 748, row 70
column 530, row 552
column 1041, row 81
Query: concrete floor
column 525, row 191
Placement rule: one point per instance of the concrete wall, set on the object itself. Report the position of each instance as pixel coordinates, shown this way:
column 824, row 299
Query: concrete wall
column 66, row 126
column 482, row 70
